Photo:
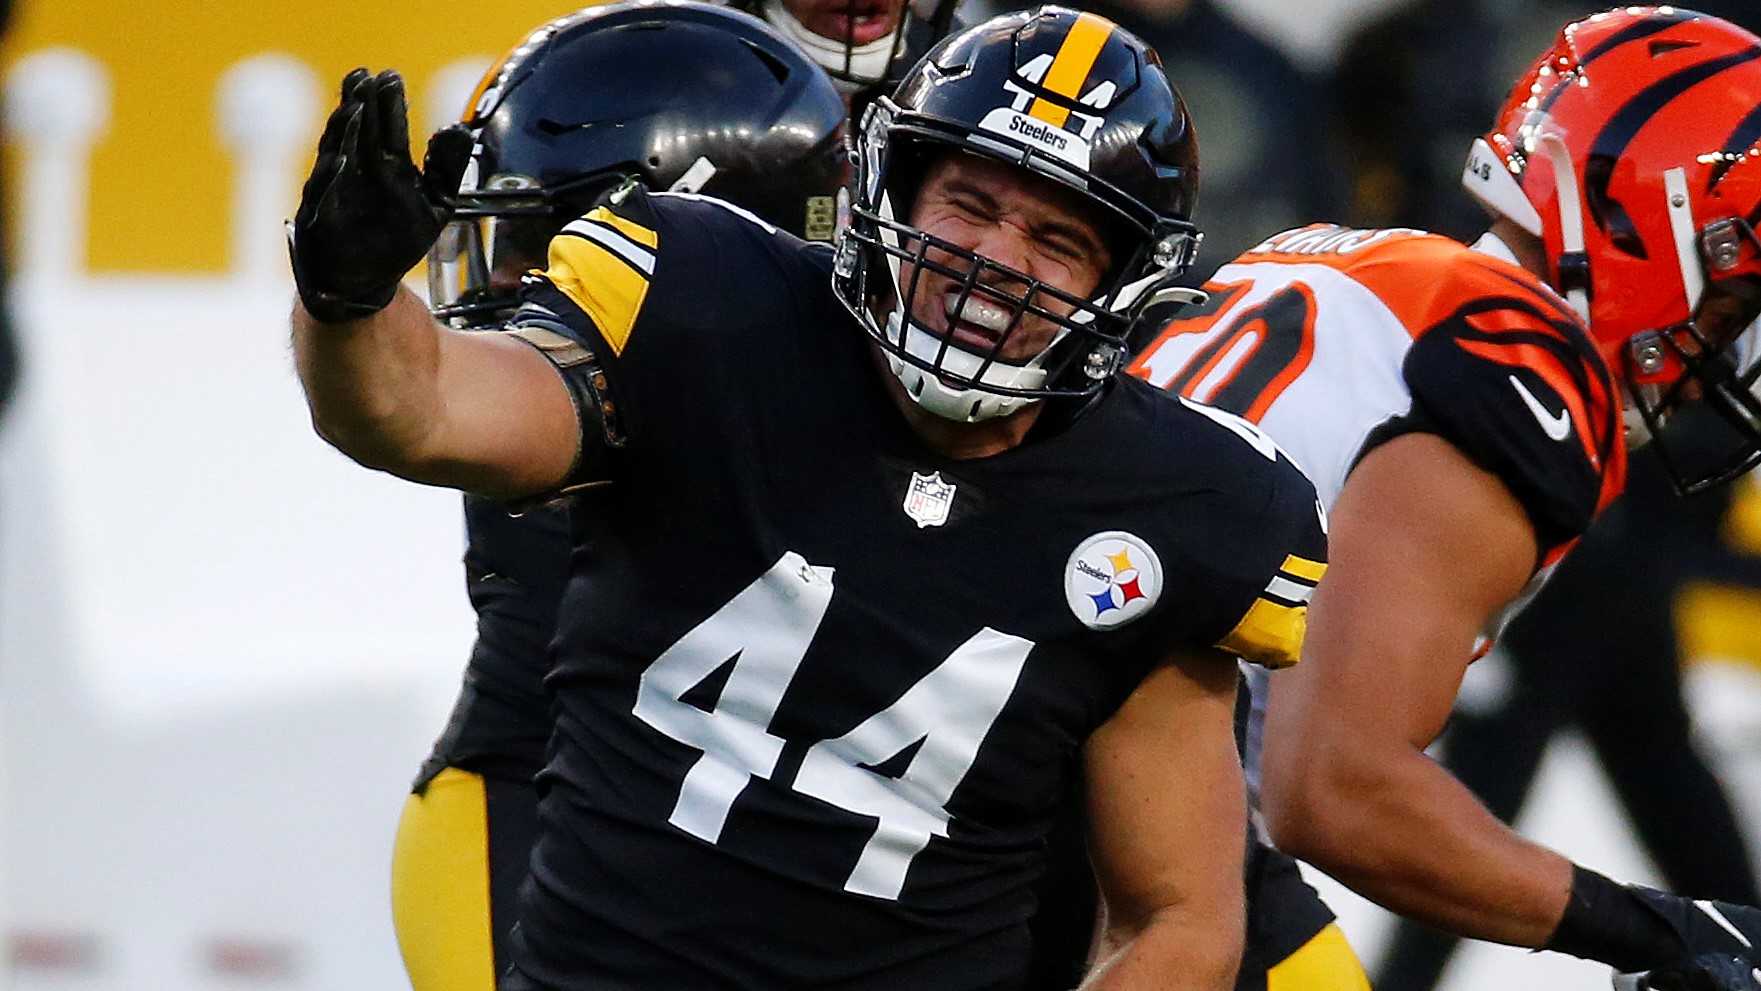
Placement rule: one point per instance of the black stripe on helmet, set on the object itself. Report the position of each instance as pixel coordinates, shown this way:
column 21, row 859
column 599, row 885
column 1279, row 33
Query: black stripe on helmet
column 1657, row 23
column 1612, row 141
column 1626, row 123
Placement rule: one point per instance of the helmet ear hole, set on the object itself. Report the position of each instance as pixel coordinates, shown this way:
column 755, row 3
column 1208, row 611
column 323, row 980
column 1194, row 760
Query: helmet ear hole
column 1608, row 213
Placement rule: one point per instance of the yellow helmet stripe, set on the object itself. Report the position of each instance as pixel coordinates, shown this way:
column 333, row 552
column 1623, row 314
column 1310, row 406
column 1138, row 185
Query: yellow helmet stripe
column 471, row 113
column 1070, row 67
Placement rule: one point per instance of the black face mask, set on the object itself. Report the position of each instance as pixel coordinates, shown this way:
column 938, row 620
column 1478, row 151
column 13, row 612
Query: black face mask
column 1714, row 438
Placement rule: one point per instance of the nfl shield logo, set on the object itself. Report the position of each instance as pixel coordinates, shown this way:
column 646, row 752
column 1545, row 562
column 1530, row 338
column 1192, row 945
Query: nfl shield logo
column 928, row 499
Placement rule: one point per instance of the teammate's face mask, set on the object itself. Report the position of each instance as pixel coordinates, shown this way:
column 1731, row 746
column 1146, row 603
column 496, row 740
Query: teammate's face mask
column 497, row 235
column 855, row 41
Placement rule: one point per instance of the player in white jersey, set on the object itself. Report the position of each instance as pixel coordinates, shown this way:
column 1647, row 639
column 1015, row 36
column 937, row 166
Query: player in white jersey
column 1461, row 412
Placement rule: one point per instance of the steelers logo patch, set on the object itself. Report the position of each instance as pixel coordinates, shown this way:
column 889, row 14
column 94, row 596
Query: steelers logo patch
column 1112, row 579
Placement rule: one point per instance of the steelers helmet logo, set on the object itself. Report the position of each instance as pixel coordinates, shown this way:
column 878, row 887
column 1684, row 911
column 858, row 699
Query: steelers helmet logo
column 1112, row 578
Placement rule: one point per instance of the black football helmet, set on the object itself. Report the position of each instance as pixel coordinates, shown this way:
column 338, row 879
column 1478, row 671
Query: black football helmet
column 1069, row 96
column 861, row 65
column 680, row 95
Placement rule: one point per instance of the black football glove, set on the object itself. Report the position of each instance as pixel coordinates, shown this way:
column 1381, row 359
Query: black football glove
column 367, row 215
column 1723, row 944
column 1705, row 972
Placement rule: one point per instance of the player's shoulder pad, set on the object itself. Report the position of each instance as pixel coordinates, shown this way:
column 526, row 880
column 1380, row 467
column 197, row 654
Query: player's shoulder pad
column 1282, row 569
column 1510, row 376
column 601, row 266
column 661, row 255
column 714, row 203
column 1261, row 546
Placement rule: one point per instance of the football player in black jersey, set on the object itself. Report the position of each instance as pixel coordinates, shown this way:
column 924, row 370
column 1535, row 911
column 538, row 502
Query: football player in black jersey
column 467, row 829
column 681, row 81
column 898, row 560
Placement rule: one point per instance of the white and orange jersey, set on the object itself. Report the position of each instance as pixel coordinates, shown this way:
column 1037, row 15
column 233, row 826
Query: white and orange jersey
column 1334, row 340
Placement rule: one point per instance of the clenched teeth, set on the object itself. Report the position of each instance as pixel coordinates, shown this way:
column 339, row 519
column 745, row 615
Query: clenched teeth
column 979, row 313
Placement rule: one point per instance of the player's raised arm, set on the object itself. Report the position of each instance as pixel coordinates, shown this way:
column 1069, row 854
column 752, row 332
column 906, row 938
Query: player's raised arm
column 387, row 385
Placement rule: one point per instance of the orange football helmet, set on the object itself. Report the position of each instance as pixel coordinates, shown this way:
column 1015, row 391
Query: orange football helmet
column 1632, row 149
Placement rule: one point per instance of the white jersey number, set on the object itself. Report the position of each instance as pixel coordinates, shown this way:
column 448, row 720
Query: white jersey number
column 761, row 636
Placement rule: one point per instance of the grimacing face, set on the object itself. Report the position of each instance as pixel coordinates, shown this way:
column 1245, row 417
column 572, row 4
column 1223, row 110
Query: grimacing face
column 859, row 22
column 1026, row 222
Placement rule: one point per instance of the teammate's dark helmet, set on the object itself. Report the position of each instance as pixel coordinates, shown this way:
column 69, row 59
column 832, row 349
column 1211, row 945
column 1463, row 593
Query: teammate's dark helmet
column 1073, row 98
column 681, row 95
column 852, row 41
column 1632, row 149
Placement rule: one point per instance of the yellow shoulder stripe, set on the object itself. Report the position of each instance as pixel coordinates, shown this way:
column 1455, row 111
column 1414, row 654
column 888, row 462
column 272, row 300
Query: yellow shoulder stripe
column 629, row 228
column 602, row 263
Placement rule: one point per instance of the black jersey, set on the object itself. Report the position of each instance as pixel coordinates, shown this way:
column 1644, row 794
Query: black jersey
column 820, row 690
column 516, row 564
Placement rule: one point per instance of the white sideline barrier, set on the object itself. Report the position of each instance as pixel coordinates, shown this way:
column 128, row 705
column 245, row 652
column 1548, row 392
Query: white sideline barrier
column 224, row 649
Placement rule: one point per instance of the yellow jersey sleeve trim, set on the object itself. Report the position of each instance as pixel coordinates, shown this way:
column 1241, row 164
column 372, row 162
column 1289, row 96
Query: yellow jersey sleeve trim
column 1270, row 635
column 603, row 263
column 627, row 227
column 440, row 902
column 1325, row 963
column 1271, row 632
column 1302, row 567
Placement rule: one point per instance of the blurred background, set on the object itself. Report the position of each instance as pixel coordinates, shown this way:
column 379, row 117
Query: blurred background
column 224, row 650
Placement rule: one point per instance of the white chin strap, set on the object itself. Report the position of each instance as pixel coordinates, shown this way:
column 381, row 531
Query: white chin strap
column 928, row 390
column 1571, row 213
column 865, row 65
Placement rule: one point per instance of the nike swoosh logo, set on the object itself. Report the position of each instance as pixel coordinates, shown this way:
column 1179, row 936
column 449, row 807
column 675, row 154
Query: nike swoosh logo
column 1557, row 426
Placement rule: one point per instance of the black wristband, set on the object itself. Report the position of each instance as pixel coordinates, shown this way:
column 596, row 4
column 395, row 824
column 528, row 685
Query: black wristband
column 1605, row 921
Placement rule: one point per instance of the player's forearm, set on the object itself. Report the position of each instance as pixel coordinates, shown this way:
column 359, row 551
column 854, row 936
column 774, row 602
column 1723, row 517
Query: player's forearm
column 371, row 384
column 1167, row 818
column 1174, row 950
column 1400, row 830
